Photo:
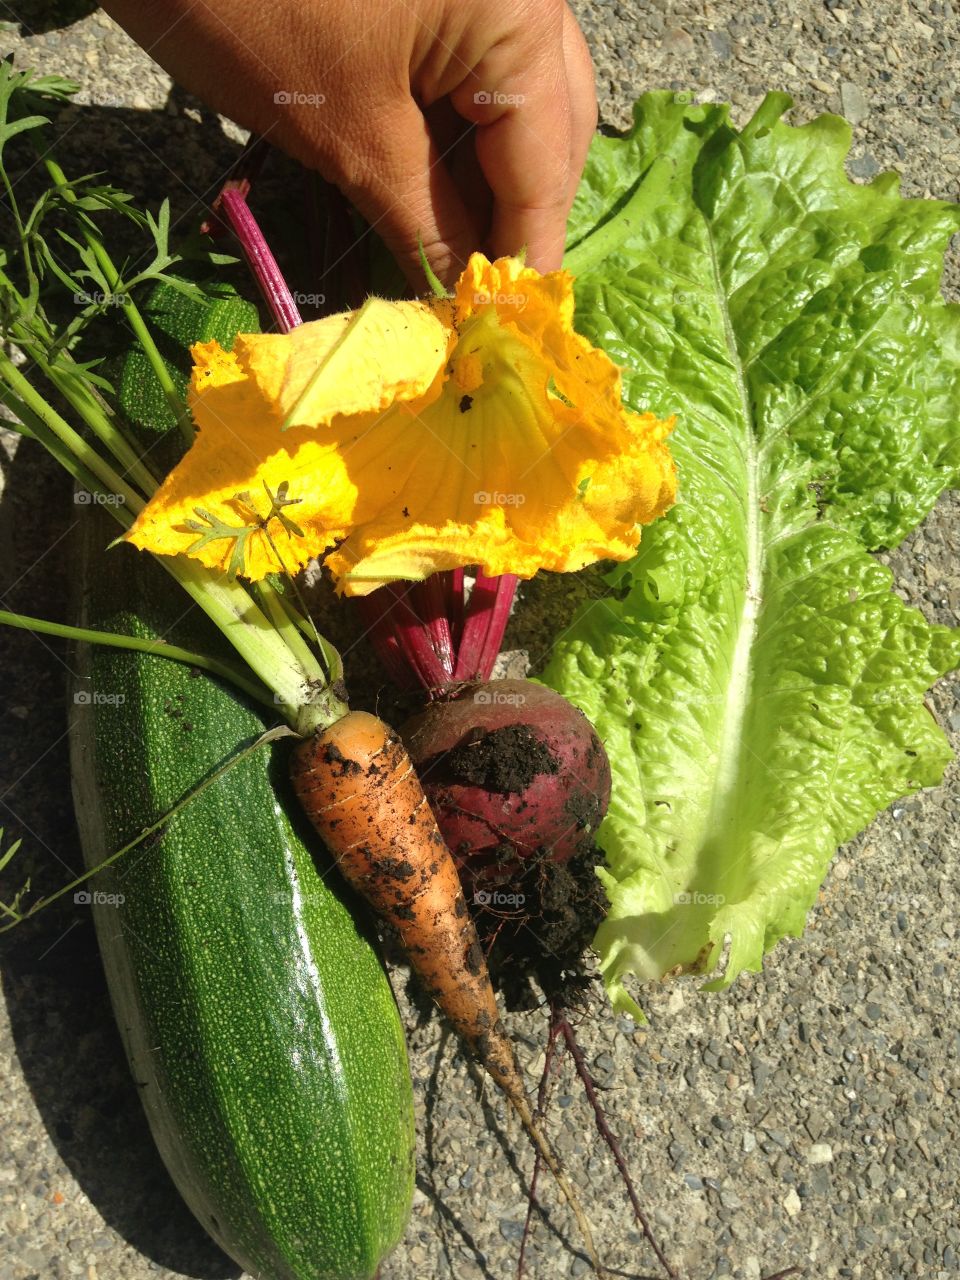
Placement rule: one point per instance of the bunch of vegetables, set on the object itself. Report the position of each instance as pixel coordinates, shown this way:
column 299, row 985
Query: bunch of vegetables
column 201, row 1037
column 755, row 688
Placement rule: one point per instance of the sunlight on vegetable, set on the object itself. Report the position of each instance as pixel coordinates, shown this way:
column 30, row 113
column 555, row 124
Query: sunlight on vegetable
column 757, row 686
column 793, row 322
column 420, row 436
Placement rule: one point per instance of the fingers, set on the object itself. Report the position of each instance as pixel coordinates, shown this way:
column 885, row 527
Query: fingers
column 535, row 109
column 525, row 158
column 400, row 182
column 517, row 96
column 581, row 89
column 517, row 70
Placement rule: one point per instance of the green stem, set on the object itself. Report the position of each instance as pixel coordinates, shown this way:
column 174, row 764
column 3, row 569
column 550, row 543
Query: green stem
column 301, row 694
column 92, row 413
column 33, row 427
column 324, row 705
column 329, row 656
column 77, row 446
column 159, row 648
column 610, row 236
column 15, row 210
column 279, row 615
column 131, row 311
column 79, row 394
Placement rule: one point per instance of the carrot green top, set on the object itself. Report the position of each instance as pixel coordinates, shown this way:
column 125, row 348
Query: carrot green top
column 408, row 437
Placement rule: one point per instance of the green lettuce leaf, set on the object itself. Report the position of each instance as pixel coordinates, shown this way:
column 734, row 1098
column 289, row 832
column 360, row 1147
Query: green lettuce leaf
column 757, row 683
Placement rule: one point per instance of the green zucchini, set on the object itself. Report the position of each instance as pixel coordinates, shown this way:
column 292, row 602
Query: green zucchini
column 258, row 1020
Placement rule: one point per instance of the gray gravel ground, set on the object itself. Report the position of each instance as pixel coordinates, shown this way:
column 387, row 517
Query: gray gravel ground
column 809, row 1116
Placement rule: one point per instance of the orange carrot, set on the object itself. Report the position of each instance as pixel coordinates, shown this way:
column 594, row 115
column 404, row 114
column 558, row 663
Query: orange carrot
column 360, row 790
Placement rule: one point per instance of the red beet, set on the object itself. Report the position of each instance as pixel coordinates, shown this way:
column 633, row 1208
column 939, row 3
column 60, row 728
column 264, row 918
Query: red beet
column 512, row 771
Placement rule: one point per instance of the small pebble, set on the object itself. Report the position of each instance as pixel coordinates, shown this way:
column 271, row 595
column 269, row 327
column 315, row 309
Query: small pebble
column 852, row 102
column 791, row 1203
column 820, row 1153
column 721, row 44
column 678, row 43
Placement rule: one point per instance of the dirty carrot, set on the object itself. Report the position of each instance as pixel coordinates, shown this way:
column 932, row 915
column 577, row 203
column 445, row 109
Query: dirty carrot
column 359, row 788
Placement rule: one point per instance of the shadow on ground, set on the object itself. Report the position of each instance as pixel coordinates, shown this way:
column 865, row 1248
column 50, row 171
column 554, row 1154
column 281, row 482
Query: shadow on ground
column 62, row 1023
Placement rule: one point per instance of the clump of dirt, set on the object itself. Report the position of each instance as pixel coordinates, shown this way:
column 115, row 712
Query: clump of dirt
column 537, row 928
column 507, row 759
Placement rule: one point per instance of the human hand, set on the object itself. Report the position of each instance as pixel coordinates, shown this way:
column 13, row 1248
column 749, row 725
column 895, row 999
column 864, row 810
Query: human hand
column 380, row 99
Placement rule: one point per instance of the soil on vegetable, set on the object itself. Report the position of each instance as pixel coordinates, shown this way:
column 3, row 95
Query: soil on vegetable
column 535, row 928
column 506, row 759
column 536, row 942
column 536, row 934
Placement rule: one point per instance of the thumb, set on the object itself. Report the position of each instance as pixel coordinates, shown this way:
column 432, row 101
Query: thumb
column 400, row 183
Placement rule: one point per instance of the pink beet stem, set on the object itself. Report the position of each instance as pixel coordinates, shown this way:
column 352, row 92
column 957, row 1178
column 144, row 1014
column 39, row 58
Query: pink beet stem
column 389, row 614
column 486, row 620
column 261, row 261
column 241, row 178
column 453, row 589
column 375, row 613
column 414, row 639
column 429, row 600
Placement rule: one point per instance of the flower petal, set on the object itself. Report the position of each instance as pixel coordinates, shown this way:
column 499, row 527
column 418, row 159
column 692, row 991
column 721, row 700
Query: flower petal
column 570, row 509
column 237, row 464
column 509, row 476
column 355, row 362
column 479, row 430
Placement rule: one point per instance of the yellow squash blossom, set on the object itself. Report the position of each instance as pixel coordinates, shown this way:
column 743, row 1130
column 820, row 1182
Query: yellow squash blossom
column 412, row 437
